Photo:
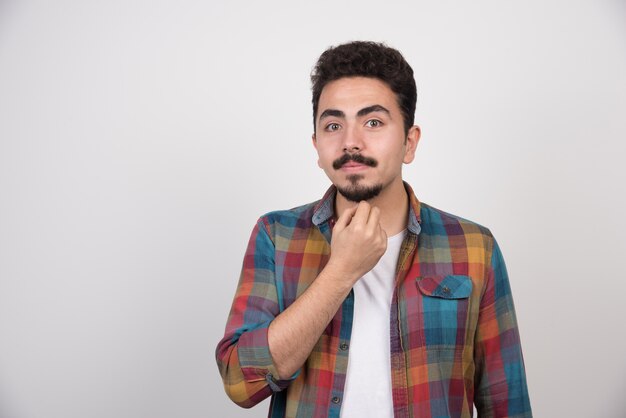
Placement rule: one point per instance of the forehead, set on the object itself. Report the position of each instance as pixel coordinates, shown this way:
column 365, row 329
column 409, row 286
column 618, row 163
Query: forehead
column 351, row 94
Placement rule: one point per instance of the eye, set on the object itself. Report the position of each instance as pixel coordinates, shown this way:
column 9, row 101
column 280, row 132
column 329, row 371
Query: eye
column 373, row 123
column 332, row 127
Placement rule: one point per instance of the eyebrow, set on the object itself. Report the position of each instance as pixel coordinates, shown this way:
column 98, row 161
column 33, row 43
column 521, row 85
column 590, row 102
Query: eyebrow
column 365, row 111
column 332, row 112
column 371, row 109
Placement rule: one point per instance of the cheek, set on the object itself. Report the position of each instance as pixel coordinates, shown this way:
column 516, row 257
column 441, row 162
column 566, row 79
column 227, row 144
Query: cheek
column 325, row 158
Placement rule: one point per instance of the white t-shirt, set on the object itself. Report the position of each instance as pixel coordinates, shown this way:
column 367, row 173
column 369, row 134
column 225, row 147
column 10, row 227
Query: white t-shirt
column 367, row 391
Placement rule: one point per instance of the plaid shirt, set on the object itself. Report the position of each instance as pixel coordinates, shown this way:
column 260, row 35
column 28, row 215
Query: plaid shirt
column 454, row 339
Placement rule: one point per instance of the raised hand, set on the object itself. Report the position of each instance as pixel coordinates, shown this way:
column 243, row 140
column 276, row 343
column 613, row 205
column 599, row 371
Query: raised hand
column 358, row 242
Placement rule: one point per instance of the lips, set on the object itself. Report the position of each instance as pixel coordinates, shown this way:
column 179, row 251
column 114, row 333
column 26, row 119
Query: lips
column 353, row 167
column 352, row 164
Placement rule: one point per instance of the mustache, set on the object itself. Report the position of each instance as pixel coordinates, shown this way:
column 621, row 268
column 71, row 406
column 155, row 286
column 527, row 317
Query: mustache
column 357, row 158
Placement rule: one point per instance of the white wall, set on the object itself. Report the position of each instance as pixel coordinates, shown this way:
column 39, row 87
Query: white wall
column 139, row 142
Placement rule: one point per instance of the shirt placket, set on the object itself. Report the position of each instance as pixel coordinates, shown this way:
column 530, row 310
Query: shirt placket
column 399, row 370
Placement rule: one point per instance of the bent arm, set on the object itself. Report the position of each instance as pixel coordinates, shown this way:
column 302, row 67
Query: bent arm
column 262, row 347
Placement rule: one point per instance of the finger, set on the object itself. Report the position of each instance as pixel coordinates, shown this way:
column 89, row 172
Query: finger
column 345, row 218
column 362, row 213
column 374, row 217
column 383, row 237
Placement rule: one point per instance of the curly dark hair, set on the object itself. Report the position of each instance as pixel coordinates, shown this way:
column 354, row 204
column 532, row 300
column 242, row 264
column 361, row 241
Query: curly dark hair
column 367, row 59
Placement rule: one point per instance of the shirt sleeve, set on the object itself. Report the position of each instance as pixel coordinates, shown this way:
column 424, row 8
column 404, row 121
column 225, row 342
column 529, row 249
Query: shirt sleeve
column 500, row 379
column 243, row 355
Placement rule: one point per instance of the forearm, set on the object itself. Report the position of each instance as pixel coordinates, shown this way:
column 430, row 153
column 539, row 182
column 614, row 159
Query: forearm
column 293, row 334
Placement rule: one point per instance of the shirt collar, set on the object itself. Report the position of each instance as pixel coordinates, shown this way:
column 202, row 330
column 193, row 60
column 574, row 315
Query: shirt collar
column 325, row 209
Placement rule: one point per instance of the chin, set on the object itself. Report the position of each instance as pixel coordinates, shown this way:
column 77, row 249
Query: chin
column 358, row 192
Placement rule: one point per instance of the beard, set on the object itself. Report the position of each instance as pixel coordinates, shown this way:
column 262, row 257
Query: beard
column 356, row 192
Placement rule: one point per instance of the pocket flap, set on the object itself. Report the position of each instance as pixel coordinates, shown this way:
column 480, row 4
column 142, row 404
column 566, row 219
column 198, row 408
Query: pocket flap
column 452, row 286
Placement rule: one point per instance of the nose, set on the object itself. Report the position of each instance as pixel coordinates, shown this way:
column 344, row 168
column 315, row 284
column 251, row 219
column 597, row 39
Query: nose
column 353, row 141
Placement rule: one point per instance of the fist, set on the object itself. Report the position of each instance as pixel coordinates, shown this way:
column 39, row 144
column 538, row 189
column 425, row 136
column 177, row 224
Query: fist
column 358, row 241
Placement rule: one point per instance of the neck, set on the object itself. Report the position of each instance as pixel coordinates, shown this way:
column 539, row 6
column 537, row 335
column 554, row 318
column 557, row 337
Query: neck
column 393, row 203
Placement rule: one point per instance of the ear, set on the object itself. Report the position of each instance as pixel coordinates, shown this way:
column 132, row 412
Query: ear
column 412, row 139
column 314, row 140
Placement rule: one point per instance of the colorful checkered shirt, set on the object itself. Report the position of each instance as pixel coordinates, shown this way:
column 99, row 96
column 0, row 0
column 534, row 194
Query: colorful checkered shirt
column 454, row 338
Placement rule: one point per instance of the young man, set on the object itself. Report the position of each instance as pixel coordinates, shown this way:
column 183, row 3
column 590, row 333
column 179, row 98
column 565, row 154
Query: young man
column 368, row 303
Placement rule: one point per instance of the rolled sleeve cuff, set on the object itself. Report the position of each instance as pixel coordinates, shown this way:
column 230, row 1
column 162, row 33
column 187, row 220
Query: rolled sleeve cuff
column 256, row 360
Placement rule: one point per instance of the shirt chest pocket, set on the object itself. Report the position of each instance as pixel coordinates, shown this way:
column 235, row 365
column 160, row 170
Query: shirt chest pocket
column 444, row 306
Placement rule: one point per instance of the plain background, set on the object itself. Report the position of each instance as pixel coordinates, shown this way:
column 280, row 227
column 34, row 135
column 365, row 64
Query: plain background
column 140, row 141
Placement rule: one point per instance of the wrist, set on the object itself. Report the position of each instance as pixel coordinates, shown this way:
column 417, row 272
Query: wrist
column 343, row 279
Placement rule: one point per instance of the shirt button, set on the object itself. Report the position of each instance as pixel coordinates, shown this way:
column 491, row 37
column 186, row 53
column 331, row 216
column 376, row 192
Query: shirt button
column 446, row 289
column 336, row 400
column 343, row 347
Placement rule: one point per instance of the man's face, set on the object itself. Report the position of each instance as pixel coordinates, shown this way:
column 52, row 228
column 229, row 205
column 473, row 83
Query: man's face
column 360, row 137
